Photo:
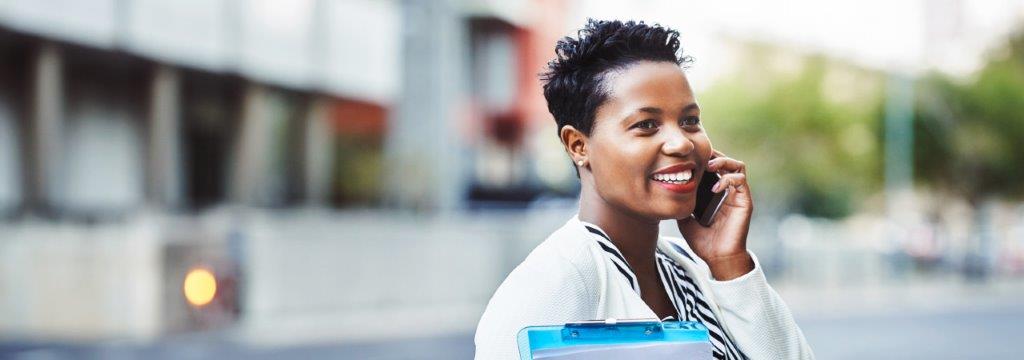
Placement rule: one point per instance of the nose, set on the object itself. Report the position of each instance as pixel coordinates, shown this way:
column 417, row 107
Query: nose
column 677, row 144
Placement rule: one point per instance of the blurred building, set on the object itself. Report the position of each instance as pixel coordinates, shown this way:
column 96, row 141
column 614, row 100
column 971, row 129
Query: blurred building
column 137, row 138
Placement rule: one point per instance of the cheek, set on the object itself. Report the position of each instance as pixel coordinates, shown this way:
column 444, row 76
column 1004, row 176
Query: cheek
column 621, row 165
column 702, row 145
column 622, row 171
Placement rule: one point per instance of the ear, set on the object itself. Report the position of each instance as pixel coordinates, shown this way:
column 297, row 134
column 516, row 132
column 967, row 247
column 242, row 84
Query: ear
column 575, row 144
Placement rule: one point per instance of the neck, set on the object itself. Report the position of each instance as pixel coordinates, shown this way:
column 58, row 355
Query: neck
column 635, row 236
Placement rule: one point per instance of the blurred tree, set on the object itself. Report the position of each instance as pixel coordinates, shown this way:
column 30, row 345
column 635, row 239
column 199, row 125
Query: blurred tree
column 967, row 136
column 807, row 127
column 968, row 131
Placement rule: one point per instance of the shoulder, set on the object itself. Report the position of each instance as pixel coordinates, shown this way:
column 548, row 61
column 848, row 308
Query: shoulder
column 565, row 260
column 571, row 247
column 556, row 283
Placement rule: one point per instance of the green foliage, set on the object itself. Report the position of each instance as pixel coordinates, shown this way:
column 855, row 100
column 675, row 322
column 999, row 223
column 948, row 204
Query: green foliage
column 970, row 133
column 809, row 136
column 810, row 129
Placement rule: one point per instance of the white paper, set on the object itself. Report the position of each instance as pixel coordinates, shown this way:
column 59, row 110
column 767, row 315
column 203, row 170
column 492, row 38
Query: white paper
column 661, row 350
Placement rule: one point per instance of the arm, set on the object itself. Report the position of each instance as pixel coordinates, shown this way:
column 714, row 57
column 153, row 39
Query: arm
column 757, row 318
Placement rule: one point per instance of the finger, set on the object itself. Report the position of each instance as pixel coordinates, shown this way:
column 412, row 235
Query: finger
column 727, row 165
column 737, row 181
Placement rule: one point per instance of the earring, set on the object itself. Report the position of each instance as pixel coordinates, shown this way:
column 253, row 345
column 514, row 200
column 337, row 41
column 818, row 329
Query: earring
column 580, row 163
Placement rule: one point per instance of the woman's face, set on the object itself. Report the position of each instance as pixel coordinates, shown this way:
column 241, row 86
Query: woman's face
column 646, row 141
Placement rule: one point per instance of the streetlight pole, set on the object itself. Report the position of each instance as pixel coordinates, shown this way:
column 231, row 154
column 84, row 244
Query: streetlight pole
column 899, row 163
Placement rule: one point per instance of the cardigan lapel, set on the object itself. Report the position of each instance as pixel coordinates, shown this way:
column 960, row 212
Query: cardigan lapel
column 618, row 298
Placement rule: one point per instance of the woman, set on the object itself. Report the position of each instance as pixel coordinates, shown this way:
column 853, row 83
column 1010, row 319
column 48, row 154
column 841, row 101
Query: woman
column 630, row 122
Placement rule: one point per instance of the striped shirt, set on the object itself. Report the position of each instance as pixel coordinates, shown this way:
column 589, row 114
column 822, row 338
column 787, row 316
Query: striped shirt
column 687, row 298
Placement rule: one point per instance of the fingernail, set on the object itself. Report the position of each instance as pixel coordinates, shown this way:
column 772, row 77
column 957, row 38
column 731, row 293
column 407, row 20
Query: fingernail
column 715, row 188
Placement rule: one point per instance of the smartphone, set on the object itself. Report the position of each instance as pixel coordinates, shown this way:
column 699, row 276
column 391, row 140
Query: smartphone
column 708, row 202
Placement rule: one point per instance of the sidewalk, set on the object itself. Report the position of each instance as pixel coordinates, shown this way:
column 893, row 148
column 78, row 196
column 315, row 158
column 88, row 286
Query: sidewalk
column 920, row 297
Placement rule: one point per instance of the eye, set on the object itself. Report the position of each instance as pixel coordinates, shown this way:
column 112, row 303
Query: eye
column 689, row 121
column 648, row 124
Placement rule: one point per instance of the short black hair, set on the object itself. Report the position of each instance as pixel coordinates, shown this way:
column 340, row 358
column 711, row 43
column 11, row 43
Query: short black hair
column 574, row 81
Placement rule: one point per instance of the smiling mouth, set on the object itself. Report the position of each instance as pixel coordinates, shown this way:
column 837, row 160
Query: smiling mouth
column 676, row 178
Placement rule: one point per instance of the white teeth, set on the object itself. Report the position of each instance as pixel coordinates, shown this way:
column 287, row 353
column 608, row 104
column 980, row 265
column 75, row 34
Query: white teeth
column 682, row 176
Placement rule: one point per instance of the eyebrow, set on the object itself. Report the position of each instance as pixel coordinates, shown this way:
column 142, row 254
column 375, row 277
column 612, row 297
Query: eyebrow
column 651, row 110
column 658, row 111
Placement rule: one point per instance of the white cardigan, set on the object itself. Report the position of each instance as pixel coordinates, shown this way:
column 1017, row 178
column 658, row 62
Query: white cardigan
column 569, row 278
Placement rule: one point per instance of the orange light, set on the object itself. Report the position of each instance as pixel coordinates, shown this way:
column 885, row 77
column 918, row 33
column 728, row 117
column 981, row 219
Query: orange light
column 200, row 286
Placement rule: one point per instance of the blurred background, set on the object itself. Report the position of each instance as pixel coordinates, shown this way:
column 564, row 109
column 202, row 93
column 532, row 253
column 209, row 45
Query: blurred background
column 195, row 179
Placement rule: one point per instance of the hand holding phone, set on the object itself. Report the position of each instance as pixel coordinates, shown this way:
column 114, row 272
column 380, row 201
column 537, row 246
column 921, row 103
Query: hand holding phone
column 717, row 230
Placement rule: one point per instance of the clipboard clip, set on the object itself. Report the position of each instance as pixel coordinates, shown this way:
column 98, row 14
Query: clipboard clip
column 613, row 328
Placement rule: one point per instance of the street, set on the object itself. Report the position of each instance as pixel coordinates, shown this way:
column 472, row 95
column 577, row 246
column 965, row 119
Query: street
column 990, row 333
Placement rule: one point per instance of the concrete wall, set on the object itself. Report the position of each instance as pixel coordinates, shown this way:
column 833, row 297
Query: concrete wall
column 306, row 275
column 79, row 281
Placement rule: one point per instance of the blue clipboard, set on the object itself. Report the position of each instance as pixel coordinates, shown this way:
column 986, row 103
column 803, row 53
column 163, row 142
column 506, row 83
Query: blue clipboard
column 590, row 334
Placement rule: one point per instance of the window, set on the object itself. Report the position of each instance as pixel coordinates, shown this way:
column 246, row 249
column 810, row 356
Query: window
column 13, row 84
column 210, row 111
column 103, row 133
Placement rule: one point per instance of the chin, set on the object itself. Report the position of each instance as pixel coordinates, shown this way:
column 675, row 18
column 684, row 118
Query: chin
column 674, row 211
